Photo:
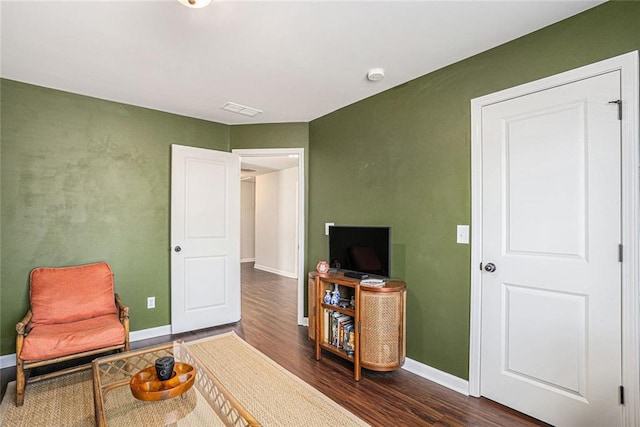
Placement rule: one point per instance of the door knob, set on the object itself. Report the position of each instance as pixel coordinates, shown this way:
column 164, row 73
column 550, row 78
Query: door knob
column 490, row 267
column 178, row 249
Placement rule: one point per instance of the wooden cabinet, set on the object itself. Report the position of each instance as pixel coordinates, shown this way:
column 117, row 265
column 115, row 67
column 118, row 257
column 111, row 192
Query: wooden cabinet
column 378, row 315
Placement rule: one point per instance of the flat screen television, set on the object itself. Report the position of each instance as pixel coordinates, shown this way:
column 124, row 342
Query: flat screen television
column 361, row 249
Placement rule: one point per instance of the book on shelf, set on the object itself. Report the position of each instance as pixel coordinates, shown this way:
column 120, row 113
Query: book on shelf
column 325, row 330
column 337, row 321
column 348, row 344
column 334, row 331
column 343, row 327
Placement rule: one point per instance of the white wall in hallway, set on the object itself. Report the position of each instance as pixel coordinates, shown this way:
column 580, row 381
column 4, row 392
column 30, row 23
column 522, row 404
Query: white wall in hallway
column 277, row 222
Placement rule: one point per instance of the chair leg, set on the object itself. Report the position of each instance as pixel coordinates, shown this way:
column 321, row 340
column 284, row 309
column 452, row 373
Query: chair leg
column 126, row 333
column 21, row 379
column 21, row 382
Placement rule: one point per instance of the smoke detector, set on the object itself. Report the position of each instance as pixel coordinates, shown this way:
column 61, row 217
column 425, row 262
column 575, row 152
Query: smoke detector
column 375, row 74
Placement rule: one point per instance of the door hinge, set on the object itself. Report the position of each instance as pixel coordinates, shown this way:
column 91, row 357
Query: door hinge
column 622, row 395
column 619, row 102
column 620, row 252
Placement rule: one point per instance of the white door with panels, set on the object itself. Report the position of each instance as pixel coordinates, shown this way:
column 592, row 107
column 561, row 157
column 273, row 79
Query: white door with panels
column 205, row 238
column 551, row 229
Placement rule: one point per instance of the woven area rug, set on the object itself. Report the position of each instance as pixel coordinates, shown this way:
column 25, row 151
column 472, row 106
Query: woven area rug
column 274, row 396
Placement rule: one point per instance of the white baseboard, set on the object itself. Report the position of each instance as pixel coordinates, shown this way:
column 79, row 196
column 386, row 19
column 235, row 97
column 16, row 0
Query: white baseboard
column 9, row 360
column 437, row 376
column 276, row 271
column 305, row 321
column 247, row 260
column 144, row 334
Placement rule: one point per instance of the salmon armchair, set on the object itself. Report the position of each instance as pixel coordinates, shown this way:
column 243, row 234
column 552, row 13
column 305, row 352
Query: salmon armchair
column 74, row 313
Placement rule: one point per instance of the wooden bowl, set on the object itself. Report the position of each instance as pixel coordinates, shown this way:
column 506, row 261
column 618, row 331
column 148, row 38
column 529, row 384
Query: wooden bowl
column 146, row 386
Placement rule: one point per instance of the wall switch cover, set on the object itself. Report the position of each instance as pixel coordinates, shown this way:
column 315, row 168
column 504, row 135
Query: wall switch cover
column 326, row 227
column 462, row 235
column 151, row 302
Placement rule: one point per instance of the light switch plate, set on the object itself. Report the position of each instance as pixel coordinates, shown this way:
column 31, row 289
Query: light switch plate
column 462, row 235
column 326, row 227
column 151, row 302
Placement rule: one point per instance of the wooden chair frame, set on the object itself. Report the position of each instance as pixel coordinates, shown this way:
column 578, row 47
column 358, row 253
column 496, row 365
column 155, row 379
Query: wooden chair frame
column 23, row 367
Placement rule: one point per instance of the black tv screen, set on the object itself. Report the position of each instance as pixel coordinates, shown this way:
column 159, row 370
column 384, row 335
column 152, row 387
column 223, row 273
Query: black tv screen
column 361, row 249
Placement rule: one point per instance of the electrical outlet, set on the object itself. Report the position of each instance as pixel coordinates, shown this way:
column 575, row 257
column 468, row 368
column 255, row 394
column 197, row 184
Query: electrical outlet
column 151, row 302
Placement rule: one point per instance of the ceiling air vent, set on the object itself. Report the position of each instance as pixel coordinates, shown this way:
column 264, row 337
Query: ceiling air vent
column 241, row 109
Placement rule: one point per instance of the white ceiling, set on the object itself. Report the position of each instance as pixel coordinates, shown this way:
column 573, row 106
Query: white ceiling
column 294, row 60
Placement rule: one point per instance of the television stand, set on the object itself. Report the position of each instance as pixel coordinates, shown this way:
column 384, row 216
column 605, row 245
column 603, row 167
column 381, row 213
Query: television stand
column 376, row 318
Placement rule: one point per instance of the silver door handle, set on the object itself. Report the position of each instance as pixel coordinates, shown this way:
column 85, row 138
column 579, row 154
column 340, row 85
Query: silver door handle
column 490, row 268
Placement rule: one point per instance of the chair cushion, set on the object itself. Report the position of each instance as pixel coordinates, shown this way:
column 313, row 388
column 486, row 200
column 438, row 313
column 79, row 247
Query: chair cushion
column 68, row 294
column 50, row 341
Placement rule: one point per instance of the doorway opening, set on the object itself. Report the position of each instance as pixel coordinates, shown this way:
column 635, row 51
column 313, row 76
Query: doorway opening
column 274, row 179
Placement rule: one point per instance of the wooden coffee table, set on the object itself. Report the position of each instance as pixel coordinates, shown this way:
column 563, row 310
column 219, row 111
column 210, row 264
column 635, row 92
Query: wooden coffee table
column 206, row 403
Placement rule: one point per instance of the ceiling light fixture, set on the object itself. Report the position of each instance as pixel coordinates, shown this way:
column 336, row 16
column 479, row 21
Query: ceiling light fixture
column 196, row 4
column 375, row 74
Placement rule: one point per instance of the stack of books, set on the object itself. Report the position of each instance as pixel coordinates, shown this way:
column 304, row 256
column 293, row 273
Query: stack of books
column 338, row 329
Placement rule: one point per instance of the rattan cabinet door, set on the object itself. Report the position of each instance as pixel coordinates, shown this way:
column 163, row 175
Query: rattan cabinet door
column 382, row 326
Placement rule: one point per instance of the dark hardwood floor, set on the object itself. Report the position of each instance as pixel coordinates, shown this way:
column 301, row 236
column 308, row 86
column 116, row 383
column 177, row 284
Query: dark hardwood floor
column 400, row 398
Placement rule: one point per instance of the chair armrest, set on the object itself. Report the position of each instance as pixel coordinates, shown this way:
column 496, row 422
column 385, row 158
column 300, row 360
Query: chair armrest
column 123, row 310
column 24, row 326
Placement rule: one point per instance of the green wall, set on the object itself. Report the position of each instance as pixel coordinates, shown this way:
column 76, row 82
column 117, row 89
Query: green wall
column 402, row 158
column 85, row 180
column 273, row 135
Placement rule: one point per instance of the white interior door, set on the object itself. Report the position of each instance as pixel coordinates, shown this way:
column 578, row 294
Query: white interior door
column 551, row 310
column 205, row 238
